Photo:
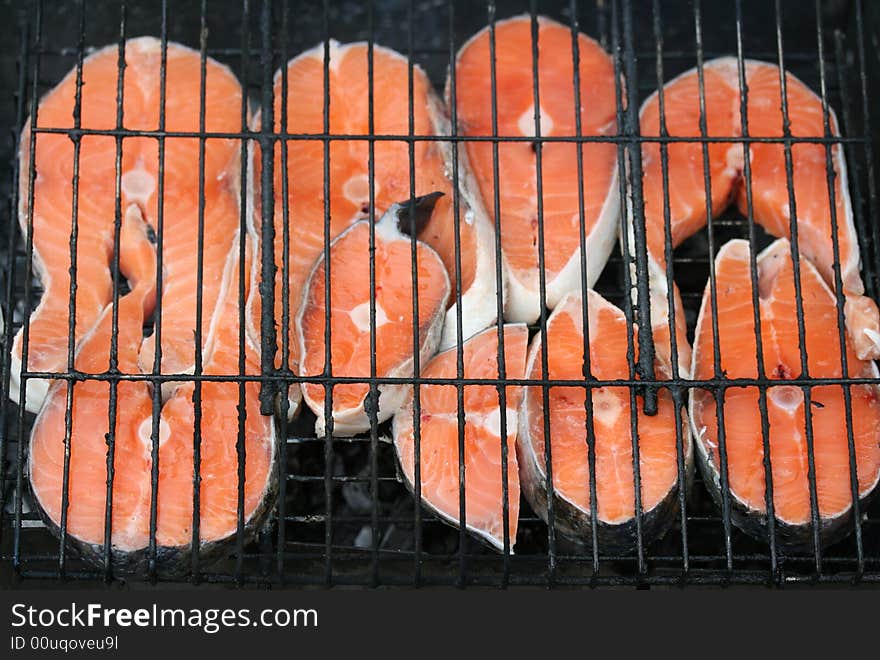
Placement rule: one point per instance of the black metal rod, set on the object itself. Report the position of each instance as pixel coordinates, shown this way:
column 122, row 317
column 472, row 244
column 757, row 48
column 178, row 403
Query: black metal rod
column 242, row 411
column 831, row 176
column 868, row 271
column 371, row 403
column 798, row 292
column 629, row 310
column 868, row 139
column 28, row 277
column 585, row 315
column 671, row 286
column 284, row 387
column 713, row 288
column 156, row 407
column 769, row 503
column 71, row 309
column 328, row 363
column 542, row 291
column 9, row 302
column 631, row 127
column 707, row 383
column 113, row 367
column 195, row 542
column 268, row 339
column 277, row 136
column 499, row 290
column 459, row 357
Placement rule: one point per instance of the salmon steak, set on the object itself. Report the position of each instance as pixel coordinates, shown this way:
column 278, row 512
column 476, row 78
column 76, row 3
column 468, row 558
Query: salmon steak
column 54, row 202
column 566, row 206
column 127, row 505
column 373, row 327
column 818, row 219
column 793, row 422
column 435, row 431
column 612, row 415
column 93, row 483
column 301, row 209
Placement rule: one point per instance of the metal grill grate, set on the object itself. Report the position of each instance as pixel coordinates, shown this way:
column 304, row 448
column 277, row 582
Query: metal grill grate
column 343, row 514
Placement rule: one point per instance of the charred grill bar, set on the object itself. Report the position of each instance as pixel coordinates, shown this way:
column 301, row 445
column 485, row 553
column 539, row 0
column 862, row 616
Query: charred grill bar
column 343, row 515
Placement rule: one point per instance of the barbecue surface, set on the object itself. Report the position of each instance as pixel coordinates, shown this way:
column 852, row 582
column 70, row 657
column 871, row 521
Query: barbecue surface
column 345, row 515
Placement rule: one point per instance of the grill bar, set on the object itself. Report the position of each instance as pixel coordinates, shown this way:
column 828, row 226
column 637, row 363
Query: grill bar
column 71, row 310
column 284, row 401
column 200, row 275
column 670, row 286
column 29, row 247
column 628, row 307
column 240, row 451
column 328, row 367
column 838, row 292
column 799, row 306
column 152, row 551
column 268, row 339
column 641, row 315
column 8, row 305
column 114, row 338
column 709, row 383
column 871, row 264
column 499, row 298
column 459, row 356
column 403, row 137
column 542, row 290
column 585, row 319
column 645, row 367
column 753, row 275
column 856, row 182
column 372, row 402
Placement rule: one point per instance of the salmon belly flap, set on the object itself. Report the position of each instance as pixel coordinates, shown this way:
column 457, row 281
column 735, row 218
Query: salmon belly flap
column 119, row 425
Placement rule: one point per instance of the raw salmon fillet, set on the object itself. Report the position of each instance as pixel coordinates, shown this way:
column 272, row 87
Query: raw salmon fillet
column 299, row 197
column 133, row 434
column 350, row 316
column 772, row 207
column 52, row 211
column 132, row 416
column 484, row 467
column 781, row 356
column 612, row 415
column 517, row 180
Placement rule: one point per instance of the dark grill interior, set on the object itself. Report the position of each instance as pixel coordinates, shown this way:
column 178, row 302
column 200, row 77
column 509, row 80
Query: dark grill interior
column 345, row 516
